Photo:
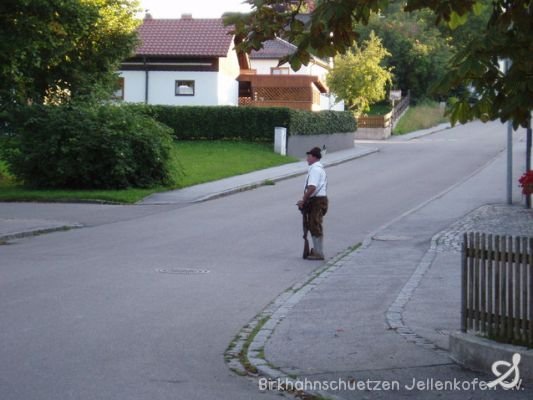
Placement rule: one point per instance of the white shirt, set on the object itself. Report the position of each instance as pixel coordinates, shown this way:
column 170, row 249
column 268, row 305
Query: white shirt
column 316, row 176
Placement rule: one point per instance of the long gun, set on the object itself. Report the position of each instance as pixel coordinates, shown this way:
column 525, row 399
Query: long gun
column 305, row 217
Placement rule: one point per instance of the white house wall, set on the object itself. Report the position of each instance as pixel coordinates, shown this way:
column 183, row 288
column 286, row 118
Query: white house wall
column 133, row 86
column 162, row 88
column 228, row 86
column 210, row 88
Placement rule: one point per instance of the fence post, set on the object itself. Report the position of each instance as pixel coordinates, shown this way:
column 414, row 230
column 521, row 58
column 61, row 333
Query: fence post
column 490, row 308
column 517, row 287
column 464, row 278
column 483, row 283
column 525, row 290
column 476, row 281
column 530, row 257
column 497, row 288
column 510, row 281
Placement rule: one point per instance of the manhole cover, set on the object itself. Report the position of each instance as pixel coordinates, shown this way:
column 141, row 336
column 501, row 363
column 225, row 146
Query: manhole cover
column 183, row 271
column 387, row 238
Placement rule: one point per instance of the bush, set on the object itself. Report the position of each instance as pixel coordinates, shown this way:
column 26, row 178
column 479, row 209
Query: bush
column 321, row 122
column 85, row 146
column 245, row 123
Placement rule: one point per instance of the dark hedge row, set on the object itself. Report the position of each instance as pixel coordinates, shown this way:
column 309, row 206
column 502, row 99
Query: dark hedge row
column 245, row 123
column 86, row 146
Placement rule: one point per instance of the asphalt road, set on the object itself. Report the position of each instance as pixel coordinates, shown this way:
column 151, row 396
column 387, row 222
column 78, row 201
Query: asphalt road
column 87, row 314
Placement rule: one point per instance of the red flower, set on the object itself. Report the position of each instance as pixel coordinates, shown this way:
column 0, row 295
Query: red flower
column 526, row 182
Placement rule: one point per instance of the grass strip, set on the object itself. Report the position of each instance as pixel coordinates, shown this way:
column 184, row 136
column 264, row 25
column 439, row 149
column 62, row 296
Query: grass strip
column 198, row 162
column 422, row 116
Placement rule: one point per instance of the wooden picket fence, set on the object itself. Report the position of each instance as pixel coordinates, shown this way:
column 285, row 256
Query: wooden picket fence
column 384, row 121
column 497, row 287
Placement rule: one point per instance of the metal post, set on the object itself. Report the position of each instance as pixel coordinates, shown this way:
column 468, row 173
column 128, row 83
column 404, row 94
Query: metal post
column 528, row 157
column 509, row 152
column 509, row 163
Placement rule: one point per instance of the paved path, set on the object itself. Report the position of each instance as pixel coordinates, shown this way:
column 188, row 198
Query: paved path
column 383, row 313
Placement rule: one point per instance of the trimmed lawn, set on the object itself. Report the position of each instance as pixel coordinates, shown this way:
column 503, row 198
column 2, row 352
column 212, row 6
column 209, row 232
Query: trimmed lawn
column 380, row 108
column 421, row 116
column 199, row 162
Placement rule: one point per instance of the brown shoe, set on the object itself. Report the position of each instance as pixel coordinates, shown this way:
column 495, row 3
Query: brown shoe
column 314, row 256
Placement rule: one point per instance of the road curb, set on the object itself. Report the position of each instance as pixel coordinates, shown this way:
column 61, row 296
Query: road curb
column 423, row 132
column 37, row 232
column 279, row 178
column 251, row 340
column 479, row 354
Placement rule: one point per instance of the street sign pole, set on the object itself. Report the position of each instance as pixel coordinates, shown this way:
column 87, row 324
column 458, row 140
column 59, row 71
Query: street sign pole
column 509, row 162
column 509, row 152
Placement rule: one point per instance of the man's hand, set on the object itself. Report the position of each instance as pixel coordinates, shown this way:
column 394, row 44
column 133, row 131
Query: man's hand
column 300, row 204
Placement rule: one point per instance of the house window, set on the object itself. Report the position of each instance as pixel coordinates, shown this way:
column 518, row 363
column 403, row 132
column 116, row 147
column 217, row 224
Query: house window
column 184, row 88
column 118, row 94
column 279, row 71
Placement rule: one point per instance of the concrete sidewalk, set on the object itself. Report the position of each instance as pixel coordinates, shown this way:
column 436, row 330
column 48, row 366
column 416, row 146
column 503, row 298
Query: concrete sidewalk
column 235, row 184
column 383, row 313
column 19, row 220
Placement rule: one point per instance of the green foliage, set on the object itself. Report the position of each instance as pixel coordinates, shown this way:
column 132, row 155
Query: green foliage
column 244, row 123
column 321, row 122
column 418, row 50
column 380, row 108
column 421, row 116
column 206, row 161
column 332, row 29
column 212, row 122
column 85, row 146
column 51, row 50
column 358, row 77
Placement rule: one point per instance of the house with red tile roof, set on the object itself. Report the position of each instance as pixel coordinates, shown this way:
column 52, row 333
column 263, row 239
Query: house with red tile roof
column 182, row 61
column 272, row 84
column 190, row 61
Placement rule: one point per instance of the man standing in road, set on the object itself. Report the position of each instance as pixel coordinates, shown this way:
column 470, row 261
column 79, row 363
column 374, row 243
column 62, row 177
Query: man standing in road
column 315, row 202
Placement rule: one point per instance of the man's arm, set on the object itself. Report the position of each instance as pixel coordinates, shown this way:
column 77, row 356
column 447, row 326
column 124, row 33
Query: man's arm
column 308, row 193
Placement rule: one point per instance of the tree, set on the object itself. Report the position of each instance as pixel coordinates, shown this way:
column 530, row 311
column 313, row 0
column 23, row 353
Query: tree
column 419, row 50
column 331, row 30
column 357, row 76
column 58, row 48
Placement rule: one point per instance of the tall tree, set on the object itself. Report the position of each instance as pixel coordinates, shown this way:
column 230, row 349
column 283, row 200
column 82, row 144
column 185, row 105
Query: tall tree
column 358, row 77
column 331, row 30
column 419, row 50
column 53, row 48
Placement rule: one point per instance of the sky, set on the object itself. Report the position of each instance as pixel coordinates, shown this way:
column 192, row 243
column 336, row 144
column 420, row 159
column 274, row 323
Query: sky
column 198, row 8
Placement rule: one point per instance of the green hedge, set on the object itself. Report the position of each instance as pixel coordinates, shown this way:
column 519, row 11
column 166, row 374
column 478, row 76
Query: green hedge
column 247, row 123
column 86, row 146
column 321, row 122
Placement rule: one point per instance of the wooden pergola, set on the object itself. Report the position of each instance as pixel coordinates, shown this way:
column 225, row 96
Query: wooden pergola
column 300, row 92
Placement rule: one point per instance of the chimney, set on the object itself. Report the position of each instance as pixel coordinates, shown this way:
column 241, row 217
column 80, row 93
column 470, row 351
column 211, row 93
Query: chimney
column 186, row 16
column 147, row 14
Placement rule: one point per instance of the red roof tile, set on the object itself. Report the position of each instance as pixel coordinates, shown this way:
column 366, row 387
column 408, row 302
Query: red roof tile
column 184, row 37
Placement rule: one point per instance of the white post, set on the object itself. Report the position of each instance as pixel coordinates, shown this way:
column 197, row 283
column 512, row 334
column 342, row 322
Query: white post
column 280, row 140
